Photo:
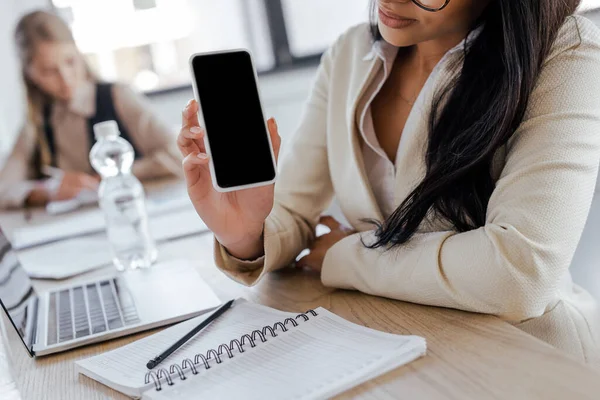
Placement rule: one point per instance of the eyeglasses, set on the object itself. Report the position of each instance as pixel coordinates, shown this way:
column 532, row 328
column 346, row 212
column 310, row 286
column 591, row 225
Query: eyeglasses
column 431, row 5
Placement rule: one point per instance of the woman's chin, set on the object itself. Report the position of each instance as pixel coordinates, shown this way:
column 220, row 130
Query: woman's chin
column 397, row 37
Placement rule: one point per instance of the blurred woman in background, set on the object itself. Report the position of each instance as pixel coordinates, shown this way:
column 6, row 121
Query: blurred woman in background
column 64, row 101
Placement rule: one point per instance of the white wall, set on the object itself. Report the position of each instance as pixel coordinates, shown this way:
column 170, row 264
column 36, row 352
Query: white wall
column 10, row 100
column 11, row 95
column 283, row 95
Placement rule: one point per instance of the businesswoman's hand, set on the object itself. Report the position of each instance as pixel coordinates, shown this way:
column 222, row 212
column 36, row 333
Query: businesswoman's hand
column 73, row 183
column 236, row 218
column 318, row 250
column 70, row 186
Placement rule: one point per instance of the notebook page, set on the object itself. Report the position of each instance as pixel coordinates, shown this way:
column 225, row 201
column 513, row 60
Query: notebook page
column 126, row 367
column 318, row 359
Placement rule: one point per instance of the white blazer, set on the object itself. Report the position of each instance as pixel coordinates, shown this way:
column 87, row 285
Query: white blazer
column 516, row 266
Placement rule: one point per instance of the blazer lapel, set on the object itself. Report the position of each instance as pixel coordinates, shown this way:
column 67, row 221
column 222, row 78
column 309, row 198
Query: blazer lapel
column 357, row 200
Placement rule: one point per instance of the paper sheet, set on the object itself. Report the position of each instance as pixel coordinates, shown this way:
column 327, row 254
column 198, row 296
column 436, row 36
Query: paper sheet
column 176, row 225
column 68, row 226
column 70, row 257
column 67, row 258
column 92, row 221
column 84, row 198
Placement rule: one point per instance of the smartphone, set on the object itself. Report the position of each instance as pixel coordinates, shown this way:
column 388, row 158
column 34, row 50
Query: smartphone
column 237, row 138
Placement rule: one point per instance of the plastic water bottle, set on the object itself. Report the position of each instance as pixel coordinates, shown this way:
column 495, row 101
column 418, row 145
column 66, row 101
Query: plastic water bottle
column 121, row 197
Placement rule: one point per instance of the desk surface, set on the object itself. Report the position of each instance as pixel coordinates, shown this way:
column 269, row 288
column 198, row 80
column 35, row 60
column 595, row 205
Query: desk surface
column 469, row 355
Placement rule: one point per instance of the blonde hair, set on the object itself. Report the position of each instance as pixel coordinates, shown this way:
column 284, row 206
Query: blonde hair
column 34, row 28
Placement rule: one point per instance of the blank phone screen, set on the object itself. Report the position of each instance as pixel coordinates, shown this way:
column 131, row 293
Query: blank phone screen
column 233, row 119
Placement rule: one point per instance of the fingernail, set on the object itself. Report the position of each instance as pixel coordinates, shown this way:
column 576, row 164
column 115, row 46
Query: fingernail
column 196, row 129
column 202, row 156
column 189, row 103
column 275, row 123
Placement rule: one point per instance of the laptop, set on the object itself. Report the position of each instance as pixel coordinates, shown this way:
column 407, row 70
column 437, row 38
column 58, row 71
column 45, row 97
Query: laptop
column 117, row 305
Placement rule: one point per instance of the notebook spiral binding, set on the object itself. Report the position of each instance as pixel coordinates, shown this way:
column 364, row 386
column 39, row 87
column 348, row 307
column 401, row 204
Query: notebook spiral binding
column 201, row 360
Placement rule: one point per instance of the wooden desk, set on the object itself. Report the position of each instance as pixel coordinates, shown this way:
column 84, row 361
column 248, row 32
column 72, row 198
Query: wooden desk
column 469, row 356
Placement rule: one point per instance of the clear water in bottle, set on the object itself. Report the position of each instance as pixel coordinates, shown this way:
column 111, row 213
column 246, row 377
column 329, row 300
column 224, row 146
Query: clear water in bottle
column 122, row 199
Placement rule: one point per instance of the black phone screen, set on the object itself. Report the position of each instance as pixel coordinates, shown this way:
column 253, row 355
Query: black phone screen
column 233, row 118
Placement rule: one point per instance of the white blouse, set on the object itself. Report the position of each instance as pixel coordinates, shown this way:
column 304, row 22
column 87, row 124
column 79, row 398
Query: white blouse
column 380, row 170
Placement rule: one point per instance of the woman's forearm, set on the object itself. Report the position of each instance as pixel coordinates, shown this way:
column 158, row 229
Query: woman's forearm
column 250, row 248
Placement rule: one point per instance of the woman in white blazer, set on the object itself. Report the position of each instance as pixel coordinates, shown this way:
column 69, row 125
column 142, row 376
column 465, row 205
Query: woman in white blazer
column 462, row 141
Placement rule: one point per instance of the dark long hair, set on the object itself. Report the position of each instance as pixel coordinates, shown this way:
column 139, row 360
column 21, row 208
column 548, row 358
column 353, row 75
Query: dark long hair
column 476, row 114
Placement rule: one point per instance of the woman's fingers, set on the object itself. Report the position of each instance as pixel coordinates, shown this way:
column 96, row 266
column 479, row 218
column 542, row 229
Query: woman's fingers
column 191, row 140
column 191, row 137
column 190, row 114
column 310, row 261
column 197, row 173
column 68, row 189
column 275, row 138
column 80, row 181
column 196, row 134
column 89, row 182
column 330, row 222
column 305, row 262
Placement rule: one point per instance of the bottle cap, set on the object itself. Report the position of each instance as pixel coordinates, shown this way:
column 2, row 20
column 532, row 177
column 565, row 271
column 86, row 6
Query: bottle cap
column 106, row 129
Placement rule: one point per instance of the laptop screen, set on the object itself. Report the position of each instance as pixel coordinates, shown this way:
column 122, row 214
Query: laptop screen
column 17, row 296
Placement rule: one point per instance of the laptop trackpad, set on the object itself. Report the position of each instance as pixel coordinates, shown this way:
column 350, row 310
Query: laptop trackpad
column 168, row 290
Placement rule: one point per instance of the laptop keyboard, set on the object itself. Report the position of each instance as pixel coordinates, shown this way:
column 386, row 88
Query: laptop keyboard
column 87, row 310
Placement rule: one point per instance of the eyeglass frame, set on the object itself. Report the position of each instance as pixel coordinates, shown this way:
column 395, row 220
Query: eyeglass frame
column 424, row 7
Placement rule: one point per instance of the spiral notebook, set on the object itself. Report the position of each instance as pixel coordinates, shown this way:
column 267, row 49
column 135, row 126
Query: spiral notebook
column 255, row 352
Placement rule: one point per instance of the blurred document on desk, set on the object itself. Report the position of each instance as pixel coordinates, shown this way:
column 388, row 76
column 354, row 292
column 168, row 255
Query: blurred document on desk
column 176, row 225
column 92, row 221
column 169, row 199
column 74, row 256
column 65, row 259
column 83, row 199
column 69, row 226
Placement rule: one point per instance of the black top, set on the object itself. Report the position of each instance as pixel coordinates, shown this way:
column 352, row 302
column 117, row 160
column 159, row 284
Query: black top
column 105, row 111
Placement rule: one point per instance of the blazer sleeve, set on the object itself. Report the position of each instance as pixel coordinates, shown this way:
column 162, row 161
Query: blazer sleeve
column 15, row 182
column 512, row 266
column 302, row 192
column 155, row 140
